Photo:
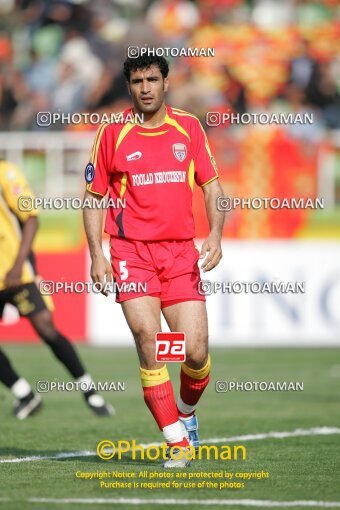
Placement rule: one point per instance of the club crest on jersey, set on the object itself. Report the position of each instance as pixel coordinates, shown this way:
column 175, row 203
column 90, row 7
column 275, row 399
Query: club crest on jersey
column 180, row 151
column 89, row 173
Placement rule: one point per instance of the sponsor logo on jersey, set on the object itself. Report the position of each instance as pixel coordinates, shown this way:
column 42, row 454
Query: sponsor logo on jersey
column 133, row 156
column 180, row 151
column 89, row 173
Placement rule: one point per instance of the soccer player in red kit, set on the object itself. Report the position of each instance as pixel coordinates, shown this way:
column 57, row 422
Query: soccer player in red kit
column 154, row 166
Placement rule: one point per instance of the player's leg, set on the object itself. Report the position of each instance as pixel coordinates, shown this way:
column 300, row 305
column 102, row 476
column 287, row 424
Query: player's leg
column 27, row 402
column 143, row 317
column 63, row 350
column 142, row 313
column 31, row 305
column 61, row 347
column 7, row 374
column 185, row 311
column 190, row 317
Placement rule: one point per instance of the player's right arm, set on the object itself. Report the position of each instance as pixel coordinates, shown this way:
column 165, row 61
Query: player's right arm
column 13, row 277
column 19, row 199
column 93, row 222
column 97, row 179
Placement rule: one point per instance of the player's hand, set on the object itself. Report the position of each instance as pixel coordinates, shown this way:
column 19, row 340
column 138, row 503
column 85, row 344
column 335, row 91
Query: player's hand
column 13, row 277
column 213, row 246
column 101, row 272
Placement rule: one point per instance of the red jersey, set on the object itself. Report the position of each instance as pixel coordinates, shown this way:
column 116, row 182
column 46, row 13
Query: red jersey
column 153, row 171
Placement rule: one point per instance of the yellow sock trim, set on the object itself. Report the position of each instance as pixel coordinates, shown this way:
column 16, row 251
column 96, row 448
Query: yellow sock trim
column 154, row 377
column 197, row 374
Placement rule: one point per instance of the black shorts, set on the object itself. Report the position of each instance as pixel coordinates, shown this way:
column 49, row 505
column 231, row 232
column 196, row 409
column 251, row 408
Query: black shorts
column 26, row 298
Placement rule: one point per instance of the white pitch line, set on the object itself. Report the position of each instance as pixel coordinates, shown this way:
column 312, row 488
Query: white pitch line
column 191, row 502
column 61, row 455
column 316, row 431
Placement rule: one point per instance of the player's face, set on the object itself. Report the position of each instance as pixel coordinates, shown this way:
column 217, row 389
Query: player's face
column 147, row 88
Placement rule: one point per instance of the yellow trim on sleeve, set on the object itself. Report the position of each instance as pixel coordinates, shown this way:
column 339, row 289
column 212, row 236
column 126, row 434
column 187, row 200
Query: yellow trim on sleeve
column 88, row 187
column 95, row 144
column 154, row 377
column 123, row 185
column 197, row 374
column 183, row 113
column 191, row 174
column 98, row 145
column 216, row 177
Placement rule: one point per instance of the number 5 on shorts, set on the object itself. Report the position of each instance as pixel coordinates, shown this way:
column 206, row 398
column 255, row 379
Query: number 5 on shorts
column 124, row 273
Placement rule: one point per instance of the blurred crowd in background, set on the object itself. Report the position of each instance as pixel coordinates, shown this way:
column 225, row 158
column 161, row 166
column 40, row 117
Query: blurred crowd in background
column 271, row 56
column 67, row 55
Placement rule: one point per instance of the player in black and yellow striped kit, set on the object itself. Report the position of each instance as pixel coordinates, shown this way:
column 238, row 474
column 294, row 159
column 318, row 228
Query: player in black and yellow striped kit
column 18, row 286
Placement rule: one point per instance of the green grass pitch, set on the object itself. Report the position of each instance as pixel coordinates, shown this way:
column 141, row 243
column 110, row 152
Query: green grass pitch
column 300, row 468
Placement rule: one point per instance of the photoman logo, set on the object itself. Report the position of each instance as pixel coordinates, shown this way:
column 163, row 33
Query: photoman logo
column 170, row 347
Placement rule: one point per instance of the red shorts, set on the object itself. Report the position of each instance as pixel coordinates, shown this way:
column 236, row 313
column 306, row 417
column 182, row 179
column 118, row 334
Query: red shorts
column 164, row 269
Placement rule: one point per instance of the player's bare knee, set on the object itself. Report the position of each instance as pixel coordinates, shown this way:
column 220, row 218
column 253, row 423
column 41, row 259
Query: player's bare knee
column 145, row 342
column 197, row 358
column 48, row 333
column 144, row 333
column 45, row 328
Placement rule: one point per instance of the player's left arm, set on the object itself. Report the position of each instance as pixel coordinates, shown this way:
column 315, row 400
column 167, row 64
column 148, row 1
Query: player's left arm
column 15, row 186
column 206, row 176
column 212, row 191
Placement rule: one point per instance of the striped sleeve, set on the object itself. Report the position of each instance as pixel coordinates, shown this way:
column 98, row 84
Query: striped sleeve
column 98, row 169
column 206, row 170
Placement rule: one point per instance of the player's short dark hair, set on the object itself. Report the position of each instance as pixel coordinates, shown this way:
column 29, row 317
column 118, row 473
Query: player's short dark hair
column 144, row 62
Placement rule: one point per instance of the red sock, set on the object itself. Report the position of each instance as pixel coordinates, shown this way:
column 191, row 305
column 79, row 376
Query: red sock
column 193, row 384
column 160, row 399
